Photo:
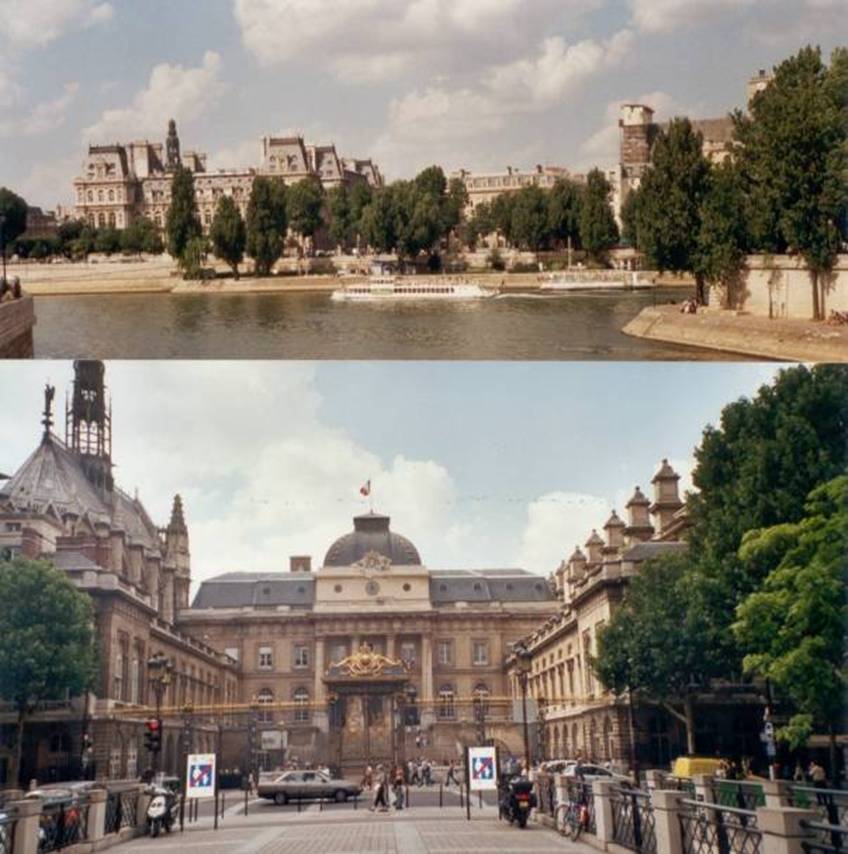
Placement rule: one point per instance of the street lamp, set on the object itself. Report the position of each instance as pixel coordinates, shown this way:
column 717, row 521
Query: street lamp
column 523, row 663
column 159, row 670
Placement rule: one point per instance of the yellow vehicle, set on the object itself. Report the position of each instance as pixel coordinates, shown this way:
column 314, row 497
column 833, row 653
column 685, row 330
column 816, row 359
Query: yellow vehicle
column 688, row 766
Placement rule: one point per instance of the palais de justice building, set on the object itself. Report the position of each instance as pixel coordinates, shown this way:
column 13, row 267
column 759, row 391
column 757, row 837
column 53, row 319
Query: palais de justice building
column 121, row 182
column 368, row 656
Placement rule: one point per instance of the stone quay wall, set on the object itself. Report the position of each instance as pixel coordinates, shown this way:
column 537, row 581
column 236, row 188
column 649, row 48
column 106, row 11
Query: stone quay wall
column 17, row 319
column 779, row 286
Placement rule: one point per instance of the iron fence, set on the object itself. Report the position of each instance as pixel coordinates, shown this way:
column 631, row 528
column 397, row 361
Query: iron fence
column 62, row 825
column 546, row 794
column 8, row 823
column 739, row 794
column 679, row 784
column 121, row 810
column 825, row 838
column 633, row 820
column 715, row 829
column 830, row 804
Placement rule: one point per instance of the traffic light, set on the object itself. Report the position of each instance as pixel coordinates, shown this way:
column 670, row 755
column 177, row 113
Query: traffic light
column 153, row 735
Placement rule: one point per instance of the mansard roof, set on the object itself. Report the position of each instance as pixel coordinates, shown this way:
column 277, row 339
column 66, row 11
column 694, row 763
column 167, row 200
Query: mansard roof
column 251, row 589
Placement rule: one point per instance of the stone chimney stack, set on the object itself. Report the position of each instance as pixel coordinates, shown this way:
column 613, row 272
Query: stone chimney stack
column 615, row 533
column 594, row 545
column 639, row 527
column 300, row 563
column 666, row 496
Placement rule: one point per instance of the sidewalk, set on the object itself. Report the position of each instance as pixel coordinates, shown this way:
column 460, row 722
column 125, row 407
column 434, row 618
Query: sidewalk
column 780, row 340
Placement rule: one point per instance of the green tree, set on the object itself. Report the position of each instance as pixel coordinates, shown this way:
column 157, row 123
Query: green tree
column 108, row 240
column 68, row 232
column 792, row 628
column 502, row 215
column 565, row 202
column 654, row 644
column 266, row 223
column 598, row 229
column 669, row 211
column 341, row 226
column 455, row 203
column 46, row 640
column 305, row 207
column 228, row 233
column 630, row 218
column 377, row 224
column 142, row 235
column 359, row 196
column 529, row 221
column 192, row 258
column 722, row 234
column 480, row 224
column 13, row 209
column 793, row 149
column 182, row 222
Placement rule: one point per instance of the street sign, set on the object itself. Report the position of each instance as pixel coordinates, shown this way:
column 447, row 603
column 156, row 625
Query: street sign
column 271, row 739
column 482, row 769
column 768, row 729
column 200, row 775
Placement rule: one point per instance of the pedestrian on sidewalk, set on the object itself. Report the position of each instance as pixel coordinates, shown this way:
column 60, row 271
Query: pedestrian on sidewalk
column 381, row 790
column 398, row 787
column 451, row 775
column 368, row 778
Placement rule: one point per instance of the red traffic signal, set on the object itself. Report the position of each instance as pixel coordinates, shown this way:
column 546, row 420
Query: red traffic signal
column 153, row 725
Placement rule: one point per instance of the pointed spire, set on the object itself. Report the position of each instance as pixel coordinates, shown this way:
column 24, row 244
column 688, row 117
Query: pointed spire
column 177, row 522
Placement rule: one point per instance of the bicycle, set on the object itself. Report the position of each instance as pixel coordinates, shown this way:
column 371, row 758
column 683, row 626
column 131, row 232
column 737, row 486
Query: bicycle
column 571, row 818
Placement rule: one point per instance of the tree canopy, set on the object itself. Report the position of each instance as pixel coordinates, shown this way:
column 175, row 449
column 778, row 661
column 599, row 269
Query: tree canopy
column 182, row 223
column 598, row 228
column 304, row 207
column 266, row 223
column 228, row 233
column 14, row 209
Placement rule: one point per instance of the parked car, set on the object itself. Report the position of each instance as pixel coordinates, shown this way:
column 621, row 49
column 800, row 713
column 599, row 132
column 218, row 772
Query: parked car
column 689, row 766
column 588, row 771
column 557, row 766
column 306, row 785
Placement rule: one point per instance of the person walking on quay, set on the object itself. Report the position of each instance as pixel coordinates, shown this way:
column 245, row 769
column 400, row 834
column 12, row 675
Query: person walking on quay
column 398, row 787
column 412, row 772
column 368, row 778
column 381, row 800
column 451, row 775
column 817, row 775
column 427, row 772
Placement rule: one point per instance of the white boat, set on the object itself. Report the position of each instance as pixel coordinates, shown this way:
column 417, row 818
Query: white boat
column 593, row 280
column 393, row 288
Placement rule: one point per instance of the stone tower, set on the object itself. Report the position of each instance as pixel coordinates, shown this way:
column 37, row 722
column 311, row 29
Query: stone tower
column 172, row 147
column 88, row 424
column 666, row 496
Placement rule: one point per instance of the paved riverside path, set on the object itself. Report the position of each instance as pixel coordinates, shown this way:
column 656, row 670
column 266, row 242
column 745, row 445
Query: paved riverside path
column 419, row 830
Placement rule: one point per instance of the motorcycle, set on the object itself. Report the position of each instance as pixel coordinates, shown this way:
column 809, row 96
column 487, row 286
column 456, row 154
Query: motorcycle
column 517, row 801
column 162, row 811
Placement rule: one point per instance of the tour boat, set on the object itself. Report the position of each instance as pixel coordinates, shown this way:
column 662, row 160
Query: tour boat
column 393, row 288
column 591, row 280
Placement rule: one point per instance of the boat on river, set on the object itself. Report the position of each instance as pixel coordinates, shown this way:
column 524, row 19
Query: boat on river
column 395, row 288
column 594, row 280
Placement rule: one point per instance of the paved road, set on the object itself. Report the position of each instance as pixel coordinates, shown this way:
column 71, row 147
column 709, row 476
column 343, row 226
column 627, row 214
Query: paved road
column 419, row 830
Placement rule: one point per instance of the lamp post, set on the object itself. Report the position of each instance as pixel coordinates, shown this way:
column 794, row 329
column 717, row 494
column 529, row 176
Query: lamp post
column 480, row 718
column 523, row 662
column 159, row 670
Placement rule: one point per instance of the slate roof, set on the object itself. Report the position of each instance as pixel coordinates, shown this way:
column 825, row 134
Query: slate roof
column 371, row 534
column 646, row 551
column 250, row 589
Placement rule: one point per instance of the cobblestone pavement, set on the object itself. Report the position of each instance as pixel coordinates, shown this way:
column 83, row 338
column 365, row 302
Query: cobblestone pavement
column 427, row 832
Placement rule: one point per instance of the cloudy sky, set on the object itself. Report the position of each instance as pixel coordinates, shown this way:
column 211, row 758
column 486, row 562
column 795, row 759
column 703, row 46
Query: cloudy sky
column 481, row 465
column 464, row 83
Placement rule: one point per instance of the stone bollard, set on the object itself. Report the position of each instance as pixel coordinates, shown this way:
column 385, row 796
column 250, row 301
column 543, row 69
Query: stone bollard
column 26, row 831
column 561, row 788
column 778, row 793
column 97, row 814
column 781, row 829
column 12, row 795
column 666, row 806
column 141, row 812
column 602, row 791
column 703, row 787
column 654, row 779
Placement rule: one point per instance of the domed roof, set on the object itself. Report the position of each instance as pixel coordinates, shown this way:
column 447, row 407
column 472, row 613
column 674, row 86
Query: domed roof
column 371, row 534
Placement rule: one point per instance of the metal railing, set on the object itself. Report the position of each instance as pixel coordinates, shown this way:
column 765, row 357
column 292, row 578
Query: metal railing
column 825, row 838
column 62, row 825
column 8, row 823
column 121, row 810
column 830, row 804
column 715, row 829
column 739, row 794
column 633, row 820
column 581, row 792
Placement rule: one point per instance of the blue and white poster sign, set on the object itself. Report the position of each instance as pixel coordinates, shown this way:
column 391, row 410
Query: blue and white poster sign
column 200, row 775
column 482, row 769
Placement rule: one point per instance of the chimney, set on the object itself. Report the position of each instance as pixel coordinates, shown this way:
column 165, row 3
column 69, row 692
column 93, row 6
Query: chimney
column 300, row 563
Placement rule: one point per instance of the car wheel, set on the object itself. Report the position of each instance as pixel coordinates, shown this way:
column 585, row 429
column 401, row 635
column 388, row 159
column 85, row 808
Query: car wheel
column 281, row 799
column 341, row 796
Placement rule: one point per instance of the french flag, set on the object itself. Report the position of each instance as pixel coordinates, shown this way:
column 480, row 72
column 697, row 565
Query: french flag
column 365, row 489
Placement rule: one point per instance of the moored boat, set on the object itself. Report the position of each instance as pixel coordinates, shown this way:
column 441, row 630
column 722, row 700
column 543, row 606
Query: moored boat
column 393, row 288
column 591, row 280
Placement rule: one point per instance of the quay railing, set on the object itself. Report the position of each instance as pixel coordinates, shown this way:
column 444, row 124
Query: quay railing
column 633, row 820
column 718, row 829
column 8, row 824
column 62, row 825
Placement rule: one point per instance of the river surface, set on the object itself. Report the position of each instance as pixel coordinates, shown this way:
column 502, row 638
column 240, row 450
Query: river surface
column 575, row 326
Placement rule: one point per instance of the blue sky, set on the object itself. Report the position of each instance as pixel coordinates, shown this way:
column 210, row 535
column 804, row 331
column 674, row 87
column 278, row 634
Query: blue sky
column 481, row 465
column 465, row 83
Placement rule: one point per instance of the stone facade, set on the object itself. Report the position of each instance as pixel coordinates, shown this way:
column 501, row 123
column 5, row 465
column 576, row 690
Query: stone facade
column 17, row 320
column 125, row 181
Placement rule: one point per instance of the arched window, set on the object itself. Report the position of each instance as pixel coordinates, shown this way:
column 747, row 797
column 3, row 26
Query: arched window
column 112, row 218
column 411, row 715
column 111, row 195
column 265, row 697
column 481, row 698
column 301, row 713
column 90, row 196
column 101, row 219
column 100, row 195
column 446, row 710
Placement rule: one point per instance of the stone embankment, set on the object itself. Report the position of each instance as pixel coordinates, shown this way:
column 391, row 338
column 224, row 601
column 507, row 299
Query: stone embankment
column 17, row 319
column 729, row 331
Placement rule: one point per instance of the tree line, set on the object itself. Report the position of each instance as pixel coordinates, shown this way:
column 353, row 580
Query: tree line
column 783, row 187
column 760, row 594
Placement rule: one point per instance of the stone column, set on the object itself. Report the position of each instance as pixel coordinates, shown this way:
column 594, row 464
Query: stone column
column 703, row 787
column 96, row 814
column 320, row 716
column 428, row 713
column 390, row 646
column 26, row 832
column 602, row 791
column 666, row 822
column 781, row 829
column 141, row 810
column 778, row 793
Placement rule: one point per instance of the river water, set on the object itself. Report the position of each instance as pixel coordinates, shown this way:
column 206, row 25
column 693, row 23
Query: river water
column 575, row 326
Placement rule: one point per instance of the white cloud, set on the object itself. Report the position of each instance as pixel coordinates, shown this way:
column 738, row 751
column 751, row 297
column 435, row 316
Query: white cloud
column 36, row 23
column 43, row 117
column 173, row 91
column 10, row 90
column 556, row 523
column 49, row 181
column 666, row 15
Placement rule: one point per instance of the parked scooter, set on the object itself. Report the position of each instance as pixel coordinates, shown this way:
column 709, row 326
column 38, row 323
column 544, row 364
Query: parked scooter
column 162, row 811
column 517, row 800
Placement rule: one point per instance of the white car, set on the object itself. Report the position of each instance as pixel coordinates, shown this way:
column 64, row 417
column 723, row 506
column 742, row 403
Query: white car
column 589, row 771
